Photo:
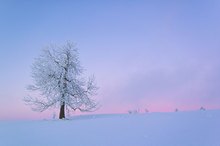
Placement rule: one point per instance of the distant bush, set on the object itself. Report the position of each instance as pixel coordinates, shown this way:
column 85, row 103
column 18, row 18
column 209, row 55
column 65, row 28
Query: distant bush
column 176, row 110
column 133, row 111
column 146, row 111
column 202, row 109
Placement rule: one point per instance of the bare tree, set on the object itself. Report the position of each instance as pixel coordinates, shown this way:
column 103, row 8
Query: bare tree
column 57, row 75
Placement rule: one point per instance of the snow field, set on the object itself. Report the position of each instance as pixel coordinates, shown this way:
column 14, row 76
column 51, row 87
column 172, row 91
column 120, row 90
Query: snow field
column 198, row 128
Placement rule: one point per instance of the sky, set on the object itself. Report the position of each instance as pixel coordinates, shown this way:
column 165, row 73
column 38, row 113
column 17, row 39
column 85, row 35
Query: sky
column 145, row 54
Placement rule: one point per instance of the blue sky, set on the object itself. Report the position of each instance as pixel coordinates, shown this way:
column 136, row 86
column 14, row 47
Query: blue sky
column 159, row 55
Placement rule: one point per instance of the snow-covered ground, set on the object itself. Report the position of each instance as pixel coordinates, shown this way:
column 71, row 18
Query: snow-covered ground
column 198, row 128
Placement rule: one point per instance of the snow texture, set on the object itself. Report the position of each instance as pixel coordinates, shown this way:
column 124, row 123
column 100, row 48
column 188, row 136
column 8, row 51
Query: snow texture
column 198, row 128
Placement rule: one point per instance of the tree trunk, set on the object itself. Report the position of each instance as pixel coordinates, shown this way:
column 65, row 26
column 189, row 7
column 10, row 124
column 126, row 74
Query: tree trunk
column 62, row 111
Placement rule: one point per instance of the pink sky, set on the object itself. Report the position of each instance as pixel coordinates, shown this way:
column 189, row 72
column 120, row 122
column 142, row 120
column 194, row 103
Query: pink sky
column 144, row 54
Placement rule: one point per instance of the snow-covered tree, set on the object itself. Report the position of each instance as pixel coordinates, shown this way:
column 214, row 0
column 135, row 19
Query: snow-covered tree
column 57, row 75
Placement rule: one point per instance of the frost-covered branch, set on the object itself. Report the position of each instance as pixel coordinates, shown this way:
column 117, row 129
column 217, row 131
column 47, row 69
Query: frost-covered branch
column 37, row 104
column 57, row 75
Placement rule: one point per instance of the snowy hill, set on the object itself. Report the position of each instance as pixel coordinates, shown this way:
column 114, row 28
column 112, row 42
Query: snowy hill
column 198, row 128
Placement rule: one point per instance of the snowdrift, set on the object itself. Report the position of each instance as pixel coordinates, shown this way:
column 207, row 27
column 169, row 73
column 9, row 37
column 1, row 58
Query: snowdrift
column 198, row 128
